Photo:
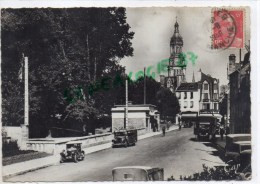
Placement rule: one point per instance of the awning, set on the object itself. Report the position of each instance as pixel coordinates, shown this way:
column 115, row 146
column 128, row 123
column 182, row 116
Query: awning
column 191, row 115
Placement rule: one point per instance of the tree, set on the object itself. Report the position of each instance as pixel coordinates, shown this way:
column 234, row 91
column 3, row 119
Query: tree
column 168, row 103
column 67, row 49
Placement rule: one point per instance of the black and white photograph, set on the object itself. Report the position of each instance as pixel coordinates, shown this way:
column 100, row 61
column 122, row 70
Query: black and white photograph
column 126, row 94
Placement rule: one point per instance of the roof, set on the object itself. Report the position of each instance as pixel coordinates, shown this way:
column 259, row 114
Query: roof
column 192, row 86
column 207, row 78
column 133, row 167
column 146, row 168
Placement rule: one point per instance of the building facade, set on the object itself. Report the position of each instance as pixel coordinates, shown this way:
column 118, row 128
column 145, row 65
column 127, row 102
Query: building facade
column 201, row 97
column 239, row 102
column 139, row 117
column 209, row 93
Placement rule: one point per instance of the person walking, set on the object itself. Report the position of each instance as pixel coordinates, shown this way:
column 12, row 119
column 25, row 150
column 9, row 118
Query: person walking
column 163, row 130
column 179, row 119
column 222, row 131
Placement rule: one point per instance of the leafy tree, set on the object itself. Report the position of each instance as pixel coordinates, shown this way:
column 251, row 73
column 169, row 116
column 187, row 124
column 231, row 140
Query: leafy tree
column 67, row 49
column 209, row 174
column 168, row 103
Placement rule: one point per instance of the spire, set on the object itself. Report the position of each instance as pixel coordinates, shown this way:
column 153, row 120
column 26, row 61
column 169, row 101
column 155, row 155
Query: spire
column 176, row 26
column 193, row 77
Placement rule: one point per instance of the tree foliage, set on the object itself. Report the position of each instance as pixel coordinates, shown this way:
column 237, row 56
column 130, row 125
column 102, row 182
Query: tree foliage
column 66, row 48
column 209, row 174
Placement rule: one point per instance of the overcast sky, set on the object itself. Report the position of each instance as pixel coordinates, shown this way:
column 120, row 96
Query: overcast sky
column 154, row 27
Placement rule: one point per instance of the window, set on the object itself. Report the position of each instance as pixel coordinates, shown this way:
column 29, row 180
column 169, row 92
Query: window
column 178, row 95
column 206, row 86
column 191, row 95
column 215, row 96
column 215, row 87
column 185, row 104
column 215, row 106
column 206, row 106
column 185, row 95
column 206, row 96
column 191, row 104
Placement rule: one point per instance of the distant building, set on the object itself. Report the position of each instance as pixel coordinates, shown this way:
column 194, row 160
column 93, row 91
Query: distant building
column 209, row 93
column 200, row 97
column 239, row 102
column 189, row 96
column 139, row 117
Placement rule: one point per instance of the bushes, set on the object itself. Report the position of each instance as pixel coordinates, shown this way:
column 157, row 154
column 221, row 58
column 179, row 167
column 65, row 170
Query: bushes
column 208, row 174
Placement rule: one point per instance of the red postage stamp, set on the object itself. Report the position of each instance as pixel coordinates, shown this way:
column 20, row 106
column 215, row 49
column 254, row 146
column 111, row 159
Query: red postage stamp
column 227, row 28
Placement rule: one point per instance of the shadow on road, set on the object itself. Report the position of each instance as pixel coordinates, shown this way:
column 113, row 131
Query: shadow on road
column 218, row 152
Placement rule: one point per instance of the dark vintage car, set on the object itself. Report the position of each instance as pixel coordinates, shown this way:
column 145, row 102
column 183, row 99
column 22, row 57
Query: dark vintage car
column 124, row 138
column 205, row 126
column 137, row 173
column 238, row 154
column 73, row 152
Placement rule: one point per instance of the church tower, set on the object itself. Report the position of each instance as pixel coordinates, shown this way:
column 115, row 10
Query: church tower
column 177, row 66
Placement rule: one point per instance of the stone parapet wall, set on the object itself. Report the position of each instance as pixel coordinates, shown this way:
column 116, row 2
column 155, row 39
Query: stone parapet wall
column 56, row 145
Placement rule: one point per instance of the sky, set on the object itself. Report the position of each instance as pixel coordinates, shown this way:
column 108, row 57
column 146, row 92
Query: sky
column 154, row 28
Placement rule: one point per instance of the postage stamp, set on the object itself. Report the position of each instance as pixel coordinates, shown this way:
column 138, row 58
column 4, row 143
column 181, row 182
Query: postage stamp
column 227, row 28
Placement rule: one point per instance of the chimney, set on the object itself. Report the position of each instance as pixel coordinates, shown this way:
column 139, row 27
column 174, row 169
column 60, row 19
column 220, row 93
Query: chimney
column 232, row 59
column 232, row 63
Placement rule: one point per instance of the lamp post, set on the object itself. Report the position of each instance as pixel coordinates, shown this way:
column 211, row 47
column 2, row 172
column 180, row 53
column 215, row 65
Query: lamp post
column 126, row 103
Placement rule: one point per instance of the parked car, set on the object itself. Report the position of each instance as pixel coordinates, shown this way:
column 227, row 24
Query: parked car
column 238, row 154
column 205, row 126
column 73, row 152
column 124, row 138
column 137, row 173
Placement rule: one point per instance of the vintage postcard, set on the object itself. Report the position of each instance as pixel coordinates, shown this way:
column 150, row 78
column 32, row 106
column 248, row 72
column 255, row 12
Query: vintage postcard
column 126, row 93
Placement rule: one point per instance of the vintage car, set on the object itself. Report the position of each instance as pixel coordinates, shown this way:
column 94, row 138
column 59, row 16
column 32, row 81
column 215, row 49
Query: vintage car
column 137, row 173
column 205, row 126
column 238, row 154
column 73, row 152
column 124, row 138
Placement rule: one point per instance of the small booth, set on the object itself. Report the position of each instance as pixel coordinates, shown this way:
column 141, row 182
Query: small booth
column 142, row 117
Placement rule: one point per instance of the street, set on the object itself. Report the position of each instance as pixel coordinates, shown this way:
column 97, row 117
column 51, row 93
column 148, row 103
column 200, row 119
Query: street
column 178, row 153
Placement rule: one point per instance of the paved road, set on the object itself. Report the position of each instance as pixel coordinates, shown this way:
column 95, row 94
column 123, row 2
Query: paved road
column 177, row 153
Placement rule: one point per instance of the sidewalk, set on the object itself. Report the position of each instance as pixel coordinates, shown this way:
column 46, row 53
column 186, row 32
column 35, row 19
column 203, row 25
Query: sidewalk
column 221, row 144
column 20, row 168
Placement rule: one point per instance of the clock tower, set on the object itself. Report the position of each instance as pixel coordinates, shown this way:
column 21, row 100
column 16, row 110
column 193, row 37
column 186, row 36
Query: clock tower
column 176, row 66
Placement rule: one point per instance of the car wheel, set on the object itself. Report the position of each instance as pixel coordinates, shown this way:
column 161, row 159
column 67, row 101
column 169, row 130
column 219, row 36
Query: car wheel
column 82, row 155
column 75, row 158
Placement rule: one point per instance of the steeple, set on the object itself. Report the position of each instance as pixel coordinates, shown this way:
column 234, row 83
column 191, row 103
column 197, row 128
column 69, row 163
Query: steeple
column 176, row 26
column 176, row 44
column 193, row 77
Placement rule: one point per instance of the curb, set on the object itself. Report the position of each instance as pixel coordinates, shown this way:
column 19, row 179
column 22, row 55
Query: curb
column 9, row 168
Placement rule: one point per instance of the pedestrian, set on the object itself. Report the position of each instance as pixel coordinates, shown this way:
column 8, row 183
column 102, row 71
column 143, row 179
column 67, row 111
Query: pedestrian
column 222, row 131
column 179, row 119
column 163, row 130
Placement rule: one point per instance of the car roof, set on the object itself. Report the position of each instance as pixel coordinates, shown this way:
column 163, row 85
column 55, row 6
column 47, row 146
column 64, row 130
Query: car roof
column 136, row 167
column 74, row 142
